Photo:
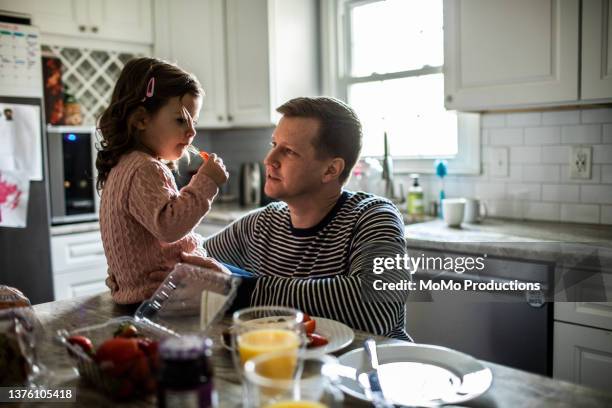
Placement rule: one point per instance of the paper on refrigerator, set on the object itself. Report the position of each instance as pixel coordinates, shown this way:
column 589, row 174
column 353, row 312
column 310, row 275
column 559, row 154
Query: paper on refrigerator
column 20, row 139
column 14, row 192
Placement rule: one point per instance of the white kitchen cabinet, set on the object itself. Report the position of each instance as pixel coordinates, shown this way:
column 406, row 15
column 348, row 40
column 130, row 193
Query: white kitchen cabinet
column 583, row 355
column 595, row 314
column 596, row 74
column 78, row 263
column 586, row 287
column 272, row 56
column 191, row 33
column 126, row 21
column 89, row 281
column 250, row 55
column 507, row 54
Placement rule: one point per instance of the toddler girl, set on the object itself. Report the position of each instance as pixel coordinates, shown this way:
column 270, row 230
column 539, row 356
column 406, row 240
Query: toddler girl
column 145, row 221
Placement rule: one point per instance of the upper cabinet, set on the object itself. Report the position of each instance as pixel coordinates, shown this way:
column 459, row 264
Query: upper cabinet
column 503, row 54
column 191, row 33
column 249, row 55
column 117, row 20
column 596, row 49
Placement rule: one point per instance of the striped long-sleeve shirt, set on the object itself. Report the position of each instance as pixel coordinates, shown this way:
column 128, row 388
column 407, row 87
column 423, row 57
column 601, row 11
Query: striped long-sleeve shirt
column 325, row 270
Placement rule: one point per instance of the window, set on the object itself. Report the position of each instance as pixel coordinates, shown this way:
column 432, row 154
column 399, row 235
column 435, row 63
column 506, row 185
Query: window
column 385, row 58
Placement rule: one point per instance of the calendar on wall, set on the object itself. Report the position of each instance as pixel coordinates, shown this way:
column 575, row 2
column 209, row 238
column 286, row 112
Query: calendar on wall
column 20, row 61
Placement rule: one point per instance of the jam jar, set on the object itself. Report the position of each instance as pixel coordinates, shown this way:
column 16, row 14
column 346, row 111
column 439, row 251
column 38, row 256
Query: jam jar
column 186, row 375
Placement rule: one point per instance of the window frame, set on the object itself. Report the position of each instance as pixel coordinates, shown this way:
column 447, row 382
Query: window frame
column 336, row 78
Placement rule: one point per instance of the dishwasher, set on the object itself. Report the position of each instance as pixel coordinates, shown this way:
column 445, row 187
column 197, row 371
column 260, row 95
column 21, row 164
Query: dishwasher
column 510, row 328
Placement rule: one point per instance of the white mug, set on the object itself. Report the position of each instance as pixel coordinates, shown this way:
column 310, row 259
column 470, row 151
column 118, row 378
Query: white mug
column 452, row 211
column 475, row 211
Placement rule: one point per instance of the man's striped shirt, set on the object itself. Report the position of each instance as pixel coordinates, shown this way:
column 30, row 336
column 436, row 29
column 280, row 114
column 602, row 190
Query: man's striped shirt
column 325, row 270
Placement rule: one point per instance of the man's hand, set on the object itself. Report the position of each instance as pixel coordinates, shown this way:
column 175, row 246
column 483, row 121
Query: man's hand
column 204, row 262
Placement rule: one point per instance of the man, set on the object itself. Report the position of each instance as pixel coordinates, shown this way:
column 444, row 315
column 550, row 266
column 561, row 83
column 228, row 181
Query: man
column 313, row 249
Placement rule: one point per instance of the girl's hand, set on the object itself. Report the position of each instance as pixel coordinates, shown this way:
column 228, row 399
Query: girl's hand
column 208, row 263
column 215, row 169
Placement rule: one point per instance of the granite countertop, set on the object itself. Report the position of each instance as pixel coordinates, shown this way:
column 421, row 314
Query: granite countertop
column 534, row 240
column 510, row 388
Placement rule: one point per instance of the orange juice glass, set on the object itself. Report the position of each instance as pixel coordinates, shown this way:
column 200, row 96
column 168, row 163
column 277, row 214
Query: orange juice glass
column 255, row 342
column 265, row 329
column 313, row 385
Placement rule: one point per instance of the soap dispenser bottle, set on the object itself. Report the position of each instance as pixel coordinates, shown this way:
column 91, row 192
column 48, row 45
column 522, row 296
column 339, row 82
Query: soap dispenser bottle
column 416, row 205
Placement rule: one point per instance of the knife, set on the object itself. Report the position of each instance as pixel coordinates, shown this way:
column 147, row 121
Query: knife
column 368, row 379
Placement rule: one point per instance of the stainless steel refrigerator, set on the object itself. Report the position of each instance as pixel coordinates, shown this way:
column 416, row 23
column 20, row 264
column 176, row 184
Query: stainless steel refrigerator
column 25, row 253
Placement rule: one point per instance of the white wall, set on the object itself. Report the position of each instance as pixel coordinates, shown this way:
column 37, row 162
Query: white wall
column 538, row 186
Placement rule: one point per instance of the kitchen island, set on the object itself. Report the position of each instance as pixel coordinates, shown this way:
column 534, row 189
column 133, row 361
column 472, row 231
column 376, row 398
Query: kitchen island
column 510, row 388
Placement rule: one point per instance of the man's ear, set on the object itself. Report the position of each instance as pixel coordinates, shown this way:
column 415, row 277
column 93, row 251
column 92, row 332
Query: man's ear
column 139, row 118
column 334, row 169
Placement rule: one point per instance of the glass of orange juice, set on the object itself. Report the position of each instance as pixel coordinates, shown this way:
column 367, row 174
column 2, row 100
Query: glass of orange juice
column 312, row 385
column 264, row 329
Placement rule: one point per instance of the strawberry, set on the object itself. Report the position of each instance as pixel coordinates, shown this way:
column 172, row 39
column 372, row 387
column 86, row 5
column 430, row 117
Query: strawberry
column 316, row 340
column 310, row 326
column 126, row 330
column 120, row 353
column 83, row 342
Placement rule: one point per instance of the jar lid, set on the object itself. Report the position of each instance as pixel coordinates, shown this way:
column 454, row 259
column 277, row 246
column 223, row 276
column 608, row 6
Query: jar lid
column 186, row 347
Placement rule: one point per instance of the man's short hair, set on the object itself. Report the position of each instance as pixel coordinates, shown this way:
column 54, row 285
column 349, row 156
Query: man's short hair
column 340, row 130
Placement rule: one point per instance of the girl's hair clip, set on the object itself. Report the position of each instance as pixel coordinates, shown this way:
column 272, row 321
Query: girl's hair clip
column 150, row 89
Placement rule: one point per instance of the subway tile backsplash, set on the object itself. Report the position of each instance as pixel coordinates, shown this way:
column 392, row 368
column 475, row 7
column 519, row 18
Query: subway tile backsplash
column 538, row 185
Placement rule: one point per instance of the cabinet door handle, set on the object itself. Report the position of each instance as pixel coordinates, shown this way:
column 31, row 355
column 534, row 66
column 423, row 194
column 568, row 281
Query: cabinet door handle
column 449, row 98
column 87, row 249
column 94, row 29
column 220, row 118
column 82, row 28
column 230, row 118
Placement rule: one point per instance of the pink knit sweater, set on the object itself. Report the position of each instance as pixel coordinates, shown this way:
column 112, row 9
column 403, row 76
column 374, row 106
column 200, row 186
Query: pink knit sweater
column 146, row 223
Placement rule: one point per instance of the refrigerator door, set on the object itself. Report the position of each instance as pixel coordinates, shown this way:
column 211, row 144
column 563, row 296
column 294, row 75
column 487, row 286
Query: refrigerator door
column 25, row 253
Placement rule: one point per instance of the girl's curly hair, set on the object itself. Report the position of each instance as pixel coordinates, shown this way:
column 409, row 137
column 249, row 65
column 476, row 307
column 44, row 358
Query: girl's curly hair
column 116, row 126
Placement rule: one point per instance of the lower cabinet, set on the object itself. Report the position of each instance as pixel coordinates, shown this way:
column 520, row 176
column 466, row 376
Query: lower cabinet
column 79, row 265
column 583, row 355
column 79, row 283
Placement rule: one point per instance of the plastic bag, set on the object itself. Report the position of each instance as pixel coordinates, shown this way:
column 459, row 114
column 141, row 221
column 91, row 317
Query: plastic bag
column 20, row 331
column 189, row 297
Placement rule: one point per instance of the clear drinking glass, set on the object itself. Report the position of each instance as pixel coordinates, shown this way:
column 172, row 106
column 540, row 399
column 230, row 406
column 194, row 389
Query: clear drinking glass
column 264, row 329
column 312, row 384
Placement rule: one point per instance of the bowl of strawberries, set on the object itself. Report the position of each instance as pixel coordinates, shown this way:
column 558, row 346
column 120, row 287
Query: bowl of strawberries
column 119, row 357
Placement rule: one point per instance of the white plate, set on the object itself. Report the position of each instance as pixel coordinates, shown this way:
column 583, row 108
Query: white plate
column 338, row 334
column 421, row 375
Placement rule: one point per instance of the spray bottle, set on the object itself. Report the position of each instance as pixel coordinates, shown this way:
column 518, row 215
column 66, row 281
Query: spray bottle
column 441, row 171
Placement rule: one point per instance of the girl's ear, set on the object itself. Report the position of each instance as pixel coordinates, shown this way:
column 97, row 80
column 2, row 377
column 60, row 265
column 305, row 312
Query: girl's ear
column 139, row 118
column 334, row 169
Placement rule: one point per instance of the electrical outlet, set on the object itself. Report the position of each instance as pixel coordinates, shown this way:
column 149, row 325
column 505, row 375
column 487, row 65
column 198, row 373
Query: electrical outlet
column 498, row 163
column 580, row 162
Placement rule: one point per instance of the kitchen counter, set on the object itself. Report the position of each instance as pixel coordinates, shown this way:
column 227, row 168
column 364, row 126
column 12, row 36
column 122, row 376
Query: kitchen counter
column 225, row 213
column 220, row 214
column 534, row 240
column 510, row 388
